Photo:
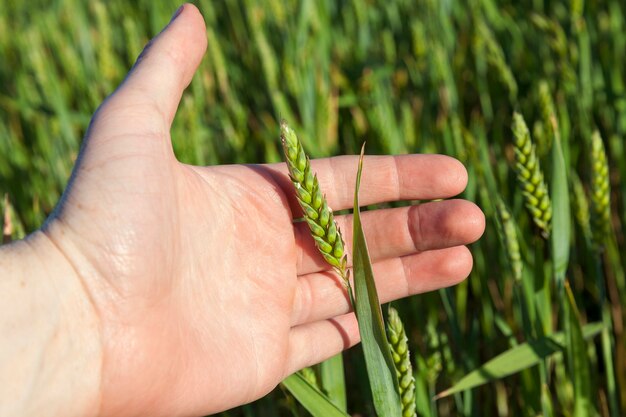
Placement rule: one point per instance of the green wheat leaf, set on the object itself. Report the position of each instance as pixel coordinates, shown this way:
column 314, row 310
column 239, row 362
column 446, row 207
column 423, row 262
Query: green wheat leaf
column 311, row 398
column 333, row 380
column 576, row 349
column 561, row 207
column 517, row 359
column 378, row 360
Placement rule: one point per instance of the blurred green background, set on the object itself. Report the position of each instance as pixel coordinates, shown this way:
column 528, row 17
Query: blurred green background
column 405, row 76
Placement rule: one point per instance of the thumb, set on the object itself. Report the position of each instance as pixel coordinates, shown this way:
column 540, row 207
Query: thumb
column 151, row 92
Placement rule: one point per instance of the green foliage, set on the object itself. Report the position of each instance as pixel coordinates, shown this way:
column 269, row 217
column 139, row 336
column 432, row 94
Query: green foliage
column 517, row 359
column 333, row 381
column 561, row 227
column 310, row 397
column 578, row 360
column 379, row 362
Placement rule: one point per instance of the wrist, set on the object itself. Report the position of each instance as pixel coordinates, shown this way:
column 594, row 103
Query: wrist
column 52, row 361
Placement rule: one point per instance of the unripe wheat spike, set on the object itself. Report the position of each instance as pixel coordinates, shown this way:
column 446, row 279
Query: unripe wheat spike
column 600, row 191
column 401, row 358
column 317, row 214
column 581, row 206
column 508, row 235
column 548, row 116
column 530, row 176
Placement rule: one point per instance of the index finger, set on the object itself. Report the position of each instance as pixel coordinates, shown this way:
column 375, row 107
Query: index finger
column 385, row 178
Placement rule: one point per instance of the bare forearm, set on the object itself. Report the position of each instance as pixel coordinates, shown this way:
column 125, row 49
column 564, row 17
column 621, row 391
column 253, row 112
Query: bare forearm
column 50, row 355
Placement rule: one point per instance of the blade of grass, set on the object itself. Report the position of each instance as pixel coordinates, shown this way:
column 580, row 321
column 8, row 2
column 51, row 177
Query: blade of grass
column 576, row 349
column 561, row 230
column 311, row 398
column 333, row 381
column 378, row 359
column 516, row 359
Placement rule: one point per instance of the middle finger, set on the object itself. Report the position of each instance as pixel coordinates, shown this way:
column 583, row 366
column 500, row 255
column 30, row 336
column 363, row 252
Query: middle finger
column 400, row 231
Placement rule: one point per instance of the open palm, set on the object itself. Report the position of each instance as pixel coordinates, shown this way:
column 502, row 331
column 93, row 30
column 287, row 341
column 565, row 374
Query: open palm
column 207, row 293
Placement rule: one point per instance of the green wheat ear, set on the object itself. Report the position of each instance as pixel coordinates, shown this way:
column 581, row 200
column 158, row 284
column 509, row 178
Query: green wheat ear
column 317, row 214
column 548, row 116
column 530, row 177
column 581, row 206
column 600, row 191
column 508, row 235
column 401, row 359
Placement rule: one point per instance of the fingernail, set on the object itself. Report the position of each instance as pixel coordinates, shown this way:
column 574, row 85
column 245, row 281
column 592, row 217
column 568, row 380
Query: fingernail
column 177, row 13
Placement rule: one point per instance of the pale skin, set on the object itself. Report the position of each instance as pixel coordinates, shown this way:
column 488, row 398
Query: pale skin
column 162, row 289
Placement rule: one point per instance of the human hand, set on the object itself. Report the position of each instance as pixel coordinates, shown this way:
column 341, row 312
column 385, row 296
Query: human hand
column 206, row 293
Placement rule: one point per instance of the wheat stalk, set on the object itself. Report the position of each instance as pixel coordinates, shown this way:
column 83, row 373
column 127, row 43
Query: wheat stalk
column 317, row 214
column 402, row 361
column 600, row 191
column 530, row 176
